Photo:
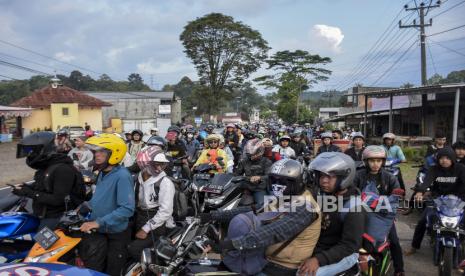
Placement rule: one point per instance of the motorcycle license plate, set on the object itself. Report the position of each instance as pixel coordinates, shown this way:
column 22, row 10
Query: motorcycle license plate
column 214, row 189
column 46, row 238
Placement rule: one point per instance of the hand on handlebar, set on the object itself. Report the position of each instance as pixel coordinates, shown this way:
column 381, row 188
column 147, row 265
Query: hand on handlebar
column 87, row 227
column 419, row 196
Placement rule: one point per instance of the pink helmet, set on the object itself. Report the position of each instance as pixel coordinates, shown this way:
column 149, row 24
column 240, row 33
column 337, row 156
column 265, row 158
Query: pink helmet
column 254, row 147
column 148, row 155
column 373, row 152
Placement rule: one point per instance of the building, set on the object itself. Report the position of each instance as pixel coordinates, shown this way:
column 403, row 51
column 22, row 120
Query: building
column 139, row 110
column 56, row 106
column 416, row 111
column 254, row 116
column 13, row 115
column 328, row 113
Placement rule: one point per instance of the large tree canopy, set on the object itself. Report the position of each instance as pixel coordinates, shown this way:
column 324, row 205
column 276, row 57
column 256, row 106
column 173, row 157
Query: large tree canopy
column 225, row 52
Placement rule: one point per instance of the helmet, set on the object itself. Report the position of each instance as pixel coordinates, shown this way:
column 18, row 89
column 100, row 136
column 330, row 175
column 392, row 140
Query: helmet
column 174, row 129
column 111, row 143
column 213, row 137
column 154, row 129
column 157, row 141
column 230, row 125
column 62, row 132
column 137, row 131
column 389, row 136
column 147, row 156
column 190, row 130
column 267, row 142
column 373, row 152
column 254, row 147
column 286, row 178
column 285, row 137
column 171, row 135
column 38, row 148
column 357, row 135
column 334, row 163
column 326, row 135
column 250, row 134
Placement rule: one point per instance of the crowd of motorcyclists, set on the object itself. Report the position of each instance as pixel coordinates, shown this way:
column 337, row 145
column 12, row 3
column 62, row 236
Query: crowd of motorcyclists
column 133, row 199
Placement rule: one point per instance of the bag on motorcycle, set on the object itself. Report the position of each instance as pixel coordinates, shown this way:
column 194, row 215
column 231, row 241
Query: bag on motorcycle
column 247, row 262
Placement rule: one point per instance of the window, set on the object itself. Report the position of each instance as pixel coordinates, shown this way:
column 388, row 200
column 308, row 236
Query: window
column 65, row 111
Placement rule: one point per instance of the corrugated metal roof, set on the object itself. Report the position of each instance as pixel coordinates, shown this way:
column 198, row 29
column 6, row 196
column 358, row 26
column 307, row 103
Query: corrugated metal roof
column 108, row 95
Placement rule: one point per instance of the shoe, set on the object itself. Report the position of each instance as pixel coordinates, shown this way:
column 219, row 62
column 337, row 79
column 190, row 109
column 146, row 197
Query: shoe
column 410, row 252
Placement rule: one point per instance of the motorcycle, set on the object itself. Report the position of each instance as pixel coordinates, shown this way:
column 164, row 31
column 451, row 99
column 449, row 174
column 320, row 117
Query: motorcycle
column 60, row 246
column 176, row 170
column 46, row 269
column 17, row 227
column 179, row 253
column 447, row 233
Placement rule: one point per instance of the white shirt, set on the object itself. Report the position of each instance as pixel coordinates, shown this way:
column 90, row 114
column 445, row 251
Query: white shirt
column 285, row 153
column 148, row 199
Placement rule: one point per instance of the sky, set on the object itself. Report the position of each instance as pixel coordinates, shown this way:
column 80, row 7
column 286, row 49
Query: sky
column 122, row 37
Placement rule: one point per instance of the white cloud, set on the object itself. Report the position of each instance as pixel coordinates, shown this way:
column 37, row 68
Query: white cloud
column 64, row 56
column 177, row 65
column 113, row 54
column 330, row 35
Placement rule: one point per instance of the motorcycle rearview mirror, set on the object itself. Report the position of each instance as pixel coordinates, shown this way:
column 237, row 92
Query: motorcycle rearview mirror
column 67, row 200
column 146, row 258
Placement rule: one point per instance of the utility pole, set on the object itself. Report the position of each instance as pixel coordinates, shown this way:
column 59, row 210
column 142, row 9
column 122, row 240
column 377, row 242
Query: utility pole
column 421, row 11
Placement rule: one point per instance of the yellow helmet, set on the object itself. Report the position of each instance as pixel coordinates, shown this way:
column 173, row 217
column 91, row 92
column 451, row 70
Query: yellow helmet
column 114, row 144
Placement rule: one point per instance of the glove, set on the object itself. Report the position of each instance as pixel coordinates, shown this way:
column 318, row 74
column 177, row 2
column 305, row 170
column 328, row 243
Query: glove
column 205, row 218
column 221, row 246
column 25, row 190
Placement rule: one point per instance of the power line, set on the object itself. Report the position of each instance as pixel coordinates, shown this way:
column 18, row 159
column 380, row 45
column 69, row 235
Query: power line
column 447, row 48
column 431, row 57
column 45, row 56
column 33, row 62
column 445, row 31
column 8, row 77
column 444, row 11
column 24, row 68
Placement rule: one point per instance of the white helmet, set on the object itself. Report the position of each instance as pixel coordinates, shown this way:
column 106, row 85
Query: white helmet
column 154, row 129
column 389, row 136
column 161, row 158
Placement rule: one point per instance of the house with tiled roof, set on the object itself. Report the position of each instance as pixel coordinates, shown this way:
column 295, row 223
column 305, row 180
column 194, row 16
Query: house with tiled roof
column 56, row 106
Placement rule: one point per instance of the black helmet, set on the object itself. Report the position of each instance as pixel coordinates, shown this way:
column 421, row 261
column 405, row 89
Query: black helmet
column 138, row 131
column 157, row 141
column 174, row 128
column 250, row 134
column 286, row 178
column 334, row 163
column 62, row 132
column 38, row 147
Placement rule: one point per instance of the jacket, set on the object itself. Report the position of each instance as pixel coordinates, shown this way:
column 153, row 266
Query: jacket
column 160, row 197
column 260, row 167
column 51, row 188
column 356, row 156
column 205, row 159
column 330, row 148
column 340, row 237
column 113, row 200
column 443, row 181
column 385, row 181
column 285, row 153
column 395, row 152
column 176, row 150
column 232, row 140
column 299, row 147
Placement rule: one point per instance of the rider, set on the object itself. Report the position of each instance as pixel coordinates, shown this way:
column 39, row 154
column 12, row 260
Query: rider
column 374, row 158
column 81, row 156
column 299, row 229
column 62, row 142
column 211, row 154
column 444, row 178
column 272, row 156
column 341, row 237
column 154, row 200
column 459, row 148
column 394, row 152
column 54, row 178
column 327, row 143
column 177, row 149
column 283, row 148
column 136, row 143
column 257, row 167
column 154, row 131
column 439, row 143
column 112, row 205
column 192, row 145
column 356, row 151
column 297, row 144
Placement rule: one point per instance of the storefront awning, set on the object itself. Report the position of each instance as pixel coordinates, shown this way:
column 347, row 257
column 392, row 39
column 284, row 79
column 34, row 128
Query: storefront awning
column 10, row 112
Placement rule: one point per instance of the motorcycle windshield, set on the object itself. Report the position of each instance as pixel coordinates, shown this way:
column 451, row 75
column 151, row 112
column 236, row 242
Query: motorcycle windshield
column 450, row 205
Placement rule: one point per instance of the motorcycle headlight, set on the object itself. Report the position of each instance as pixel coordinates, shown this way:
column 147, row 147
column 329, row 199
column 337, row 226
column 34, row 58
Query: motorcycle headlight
column 45, row 256
column 450, row 222
column 215, row 200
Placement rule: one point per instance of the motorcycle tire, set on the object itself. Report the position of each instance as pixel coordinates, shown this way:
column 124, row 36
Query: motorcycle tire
column 446, row 263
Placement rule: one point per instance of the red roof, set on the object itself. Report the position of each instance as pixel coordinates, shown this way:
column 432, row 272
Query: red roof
column 46, row 96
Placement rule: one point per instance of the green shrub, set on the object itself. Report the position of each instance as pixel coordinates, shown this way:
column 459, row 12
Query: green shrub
column 414, row 154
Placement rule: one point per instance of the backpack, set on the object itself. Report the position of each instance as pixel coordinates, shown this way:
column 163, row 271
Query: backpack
column 250, row 262
column 78, row 191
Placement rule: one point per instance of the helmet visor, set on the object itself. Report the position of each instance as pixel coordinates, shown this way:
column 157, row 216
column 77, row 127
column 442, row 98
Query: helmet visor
column 26, row 150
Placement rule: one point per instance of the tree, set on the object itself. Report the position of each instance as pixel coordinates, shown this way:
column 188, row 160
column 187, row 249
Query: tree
column 224, row 52
column 136, row 82
column 295, row 72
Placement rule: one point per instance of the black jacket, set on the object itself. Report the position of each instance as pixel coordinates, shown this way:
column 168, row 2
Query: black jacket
column 299, row 147
column 385, row 181
column 445, row 181
column 52, row 185
column 356, row 156
column 330, row 148
column 260, row 167
column 232, row 140
column 340, row 236
column 176, row 150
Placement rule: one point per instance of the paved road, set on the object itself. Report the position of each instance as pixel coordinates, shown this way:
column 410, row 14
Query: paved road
column 12, row 170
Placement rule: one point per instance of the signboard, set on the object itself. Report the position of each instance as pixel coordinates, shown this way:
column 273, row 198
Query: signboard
column 230, row 114
column 198, row 120
column 164, row 109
